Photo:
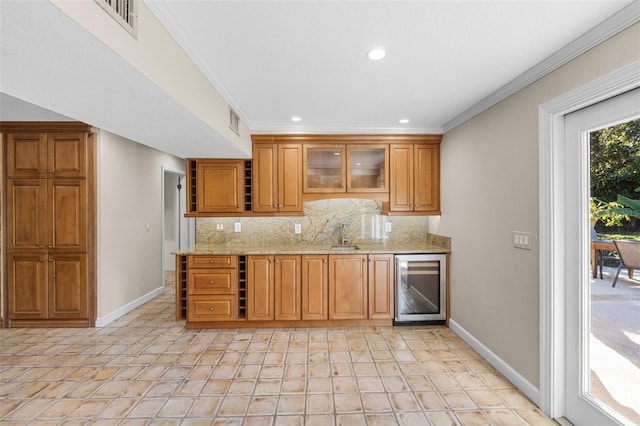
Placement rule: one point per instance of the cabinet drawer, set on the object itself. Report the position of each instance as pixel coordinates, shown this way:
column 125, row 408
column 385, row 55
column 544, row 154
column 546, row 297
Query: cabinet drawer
column 213, row 281
column 212, row 308
column 212, row 261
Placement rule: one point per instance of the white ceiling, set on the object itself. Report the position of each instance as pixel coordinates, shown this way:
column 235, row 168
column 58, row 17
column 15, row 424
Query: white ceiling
column 276, row 59
column 446, row 60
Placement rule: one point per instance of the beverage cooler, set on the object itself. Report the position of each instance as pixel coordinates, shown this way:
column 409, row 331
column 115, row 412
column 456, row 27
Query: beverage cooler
column 421, row 289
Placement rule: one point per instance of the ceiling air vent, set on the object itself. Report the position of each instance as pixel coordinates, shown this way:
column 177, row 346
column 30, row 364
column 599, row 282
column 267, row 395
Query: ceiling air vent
column 234, row 121
column 123, row 11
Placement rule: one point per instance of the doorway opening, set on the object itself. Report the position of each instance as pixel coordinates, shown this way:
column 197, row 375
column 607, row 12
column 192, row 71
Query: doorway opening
column 614, row 311
column 178, row 232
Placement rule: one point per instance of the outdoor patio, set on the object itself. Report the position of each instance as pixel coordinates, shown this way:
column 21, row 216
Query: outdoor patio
column 615, row 343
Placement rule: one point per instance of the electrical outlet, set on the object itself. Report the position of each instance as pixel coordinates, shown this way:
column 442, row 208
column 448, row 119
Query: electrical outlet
column 522, row 240
column 387, row 227
column 297, row 228
column 219, row 226
column 237, row 227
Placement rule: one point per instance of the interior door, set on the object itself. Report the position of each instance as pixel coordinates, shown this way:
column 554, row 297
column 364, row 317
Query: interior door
column 581, row 407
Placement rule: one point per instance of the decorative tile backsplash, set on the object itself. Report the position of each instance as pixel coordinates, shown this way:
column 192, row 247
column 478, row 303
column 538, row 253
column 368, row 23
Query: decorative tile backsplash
column 320, row 226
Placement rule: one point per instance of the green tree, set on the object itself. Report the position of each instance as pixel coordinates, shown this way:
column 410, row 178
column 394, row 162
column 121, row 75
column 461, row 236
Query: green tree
column 615, row 161
column 615, row 165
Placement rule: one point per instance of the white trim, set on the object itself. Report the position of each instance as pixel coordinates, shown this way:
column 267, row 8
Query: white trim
column 498, row 363
column 103, row 321
column 616, row 23
column 551, row 184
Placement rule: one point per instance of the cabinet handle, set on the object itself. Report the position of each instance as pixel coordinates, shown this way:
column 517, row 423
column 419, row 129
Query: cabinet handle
column 50, row 260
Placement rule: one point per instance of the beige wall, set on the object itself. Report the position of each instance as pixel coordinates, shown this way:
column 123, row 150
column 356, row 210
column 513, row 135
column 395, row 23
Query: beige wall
column 157, row 55
column 129, row 197
column 489, row 189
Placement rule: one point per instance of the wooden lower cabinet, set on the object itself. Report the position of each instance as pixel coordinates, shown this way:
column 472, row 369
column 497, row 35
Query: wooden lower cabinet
column 260, row 288
column 348, row 286
column 288, row 299
column 315, row 287
column 273, row 287
column 212, row 288
column 280, row 290
column 381, row 288
column 48, row 286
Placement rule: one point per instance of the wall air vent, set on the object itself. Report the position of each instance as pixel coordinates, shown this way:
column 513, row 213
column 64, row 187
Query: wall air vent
column 234, row 121
column 124, row 12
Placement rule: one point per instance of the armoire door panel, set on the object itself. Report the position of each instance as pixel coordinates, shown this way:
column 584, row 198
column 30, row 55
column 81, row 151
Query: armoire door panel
column 67, row 155
column 67, row 210
column 26, row 214
column 27, row 286
column 68, row 296
column 26, row 155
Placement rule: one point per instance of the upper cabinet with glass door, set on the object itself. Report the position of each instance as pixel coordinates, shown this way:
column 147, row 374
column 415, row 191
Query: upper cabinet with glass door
column 368, row 168
column 342, row 168
column 324, row 168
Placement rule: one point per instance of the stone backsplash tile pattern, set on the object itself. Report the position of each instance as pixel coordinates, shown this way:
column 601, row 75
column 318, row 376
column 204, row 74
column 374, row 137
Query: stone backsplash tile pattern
column 320, row 226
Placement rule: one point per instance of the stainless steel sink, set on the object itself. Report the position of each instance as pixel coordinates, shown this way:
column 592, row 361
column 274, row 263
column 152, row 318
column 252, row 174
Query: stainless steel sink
column 344, row 247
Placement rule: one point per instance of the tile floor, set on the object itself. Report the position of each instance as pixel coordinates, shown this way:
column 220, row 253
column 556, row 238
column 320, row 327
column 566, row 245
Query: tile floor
column 145, row 368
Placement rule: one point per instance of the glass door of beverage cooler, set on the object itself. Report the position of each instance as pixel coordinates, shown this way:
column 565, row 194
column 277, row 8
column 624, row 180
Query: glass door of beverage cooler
column 421, row 288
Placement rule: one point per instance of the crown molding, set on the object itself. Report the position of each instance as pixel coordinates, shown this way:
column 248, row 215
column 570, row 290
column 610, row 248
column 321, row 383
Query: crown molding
column 616, row 23
column 167, row 17
column 301, row 129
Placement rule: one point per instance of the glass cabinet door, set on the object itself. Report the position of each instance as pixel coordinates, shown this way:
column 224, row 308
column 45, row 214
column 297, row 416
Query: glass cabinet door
column 368, row 168
column 324, row 168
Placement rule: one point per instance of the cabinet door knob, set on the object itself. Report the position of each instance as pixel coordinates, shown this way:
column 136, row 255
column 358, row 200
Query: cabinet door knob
column 211, row 282
column 210, row 260
column 211, row 308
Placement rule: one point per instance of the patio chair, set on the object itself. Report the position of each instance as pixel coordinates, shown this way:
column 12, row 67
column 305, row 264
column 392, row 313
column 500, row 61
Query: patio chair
column 602, row 255
column 629, row 252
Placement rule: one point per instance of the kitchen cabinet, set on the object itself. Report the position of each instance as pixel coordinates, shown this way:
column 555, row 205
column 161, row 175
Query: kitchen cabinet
column 315, row 287
column 348, row 286
column 415, row 179
column 41, row 154
column 212, row 288
column 218, row 186
column 273, row 287
column 260, row 287
column 50, row 197
column 381, row 289
column 288, row 299
column 277, row 178
column 47, row 214
column 48, row 286
column 345, row 168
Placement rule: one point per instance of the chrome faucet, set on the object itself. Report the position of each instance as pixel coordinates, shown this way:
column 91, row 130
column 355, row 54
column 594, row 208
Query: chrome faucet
column 343, row 231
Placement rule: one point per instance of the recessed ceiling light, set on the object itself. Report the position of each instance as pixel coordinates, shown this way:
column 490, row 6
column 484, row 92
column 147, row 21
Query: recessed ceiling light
column 296, row 118
column 403, row 121
column 376, row 54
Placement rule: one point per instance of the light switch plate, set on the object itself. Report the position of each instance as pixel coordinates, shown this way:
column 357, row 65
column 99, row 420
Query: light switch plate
column 387, row 227
column 522, row 240
column 237, row 227
column 297, row 228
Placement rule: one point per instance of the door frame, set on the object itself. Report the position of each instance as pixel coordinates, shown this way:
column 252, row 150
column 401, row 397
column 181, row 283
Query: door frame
column 551, row 143
column 186, row 225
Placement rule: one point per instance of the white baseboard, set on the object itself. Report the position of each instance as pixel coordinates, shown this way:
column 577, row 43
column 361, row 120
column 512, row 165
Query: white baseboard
column 103, row 321
column 526, row 387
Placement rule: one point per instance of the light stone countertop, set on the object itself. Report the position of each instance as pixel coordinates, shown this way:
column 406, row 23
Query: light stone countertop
column 394, row 248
